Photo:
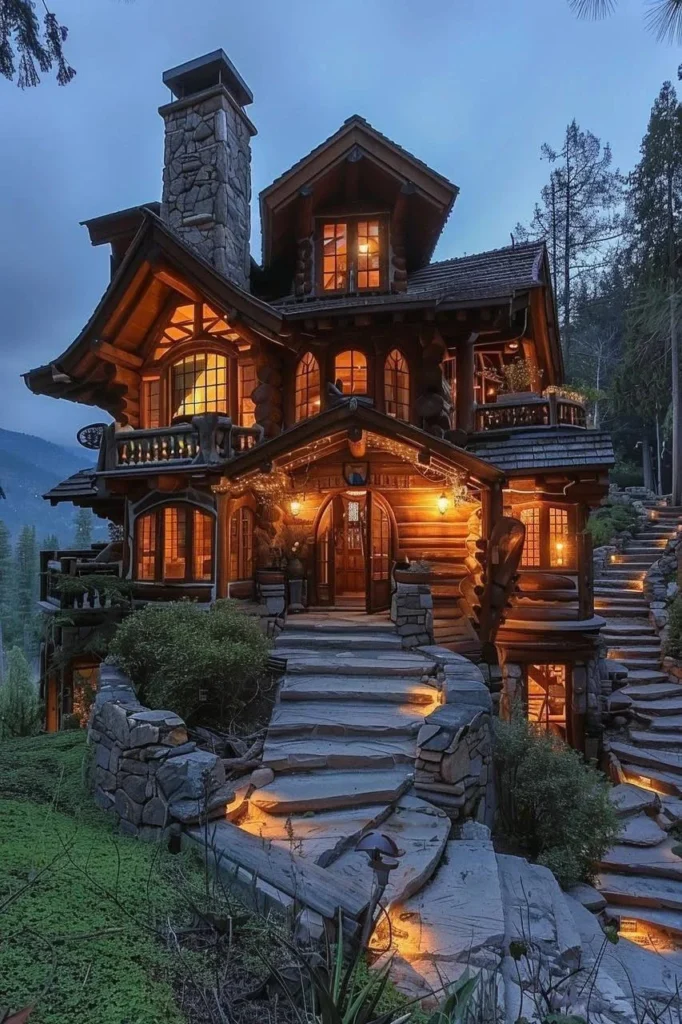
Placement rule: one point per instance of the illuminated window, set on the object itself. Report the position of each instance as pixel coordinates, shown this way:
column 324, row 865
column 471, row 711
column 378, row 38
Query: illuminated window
column 397, row 385
column 381, row 543
column 546, row 697
column 151, row 403
column 353, row 511
column 559, row 555
column 241, row 544
column 199, row 384
column 189, row 321
column 174, row 543
column 247, row 385
column 145, row 555
column 350, row 372
column 307, row 387
column 530, row 517
column 334, row 257
column 450, row 377
column 369, row 254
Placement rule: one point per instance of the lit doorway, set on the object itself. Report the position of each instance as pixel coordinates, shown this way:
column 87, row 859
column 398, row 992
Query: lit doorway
column 354, row 552
column 547, row 698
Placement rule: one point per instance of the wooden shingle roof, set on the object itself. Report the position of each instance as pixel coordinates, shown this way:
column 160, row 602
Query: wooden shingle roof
column 545, row 449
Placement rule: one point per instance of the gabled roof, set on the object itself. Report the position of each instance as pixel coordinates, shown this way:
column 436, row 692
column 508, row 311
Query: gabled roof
column 497, row 274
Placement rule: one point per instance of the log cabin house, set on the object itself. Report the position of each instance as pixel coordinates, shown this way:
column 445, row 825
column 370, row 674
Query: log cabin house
column 340, row 408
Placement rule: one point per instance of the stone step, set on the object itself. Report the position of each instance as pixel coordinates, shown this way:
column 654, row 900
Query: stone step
column 319, row 837
column 344, row 718
column 622, row 641
column 669, row 725
column 641, row 830
column 617, row 608
column 652, row 664
column 351, row 622
column 392, row 690
column 629, row 584
column 290, row 639
column 325, row 790
column 656, row 862
column 647, row 675
column 660, row 782
column 624, row 630
column 535, row 910
column 641, row 891
column 668, row 920
column 664, row 760
column 646, row 651
column 344, row 663
column 420, row 831
column 659, row 706
column 629, row 800
column 656, row 738
column 643, row 691
column 292, row 754
column 621, row 596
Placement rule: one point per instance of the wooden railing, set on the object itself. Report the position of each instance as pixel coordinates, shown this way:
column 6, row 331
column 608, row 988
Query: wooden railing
column 74, row 580
column 207, row 439
column 552, row 411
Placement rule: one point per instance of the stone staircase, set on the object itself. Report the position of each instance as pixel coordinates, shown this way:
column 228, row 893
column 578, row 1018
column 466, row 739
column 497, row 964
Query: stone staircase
column 642, row 877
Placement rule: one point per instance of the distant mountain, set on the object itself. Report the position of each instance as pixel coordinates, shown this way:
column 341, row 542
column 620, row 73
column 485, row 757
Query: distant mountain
column 30, row 466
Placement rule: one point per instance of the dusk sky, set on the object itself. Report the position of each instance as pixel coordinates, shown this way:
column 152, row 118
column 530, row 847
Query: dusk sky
column 473, row 87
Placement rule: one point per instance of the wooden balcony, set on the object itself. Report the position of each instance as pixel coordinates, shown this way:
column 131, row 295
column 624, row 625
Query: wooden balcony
column 75, row 580
column 526, row 411
column 208, row 439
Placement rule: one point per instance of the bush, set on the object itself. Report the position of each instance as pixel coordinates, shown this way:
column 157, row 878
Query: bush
column 20, row 711
column 551, row 805
column 609, row 521
column 181, row 657
column 673, row 643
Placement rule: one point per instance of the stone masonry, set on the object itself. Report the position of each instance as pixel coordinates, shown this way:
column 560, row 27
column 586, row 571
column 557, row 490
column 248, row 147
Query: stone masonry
column 145, row 770
column 207, row 178
column 412, row 612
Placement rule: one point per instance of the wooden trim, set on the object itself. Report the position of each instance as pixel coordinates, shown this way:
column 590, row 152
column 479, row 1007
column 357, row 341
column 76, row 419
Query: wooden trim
column 117, row 355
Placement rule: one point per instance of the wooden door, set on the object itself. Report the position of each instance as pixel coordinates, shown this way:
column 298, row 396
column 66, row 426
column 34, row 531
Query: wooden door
column 324, row 556
column 380, row 552
column 349, row 530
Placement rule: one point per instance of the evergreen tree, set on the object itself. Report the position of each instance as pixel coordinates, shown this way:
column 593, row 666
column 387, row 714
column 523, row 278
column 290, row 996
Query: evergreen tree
column 20, row 712
column 7, row 611
column 83, row 528
column 27, row 585
column 23, row 39
column 50, row 543
column 663, row 17
column 577, row 216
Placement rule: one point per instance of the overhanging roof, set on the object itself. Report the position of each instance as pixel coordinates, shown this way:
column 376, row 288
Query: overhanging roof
column 540, row 449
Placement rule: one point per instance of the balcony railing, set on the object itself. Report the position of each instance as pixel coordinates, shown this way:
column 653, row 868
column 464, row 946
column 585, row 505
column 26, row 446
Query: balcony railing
column 205, row 440
column 75, row 580
column 519, row 412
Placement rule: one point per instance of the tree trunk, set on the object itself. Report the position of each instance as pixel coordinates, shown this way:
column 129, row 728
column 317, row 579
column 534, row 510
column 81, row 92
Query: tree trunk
column 659, row 470
column 647, row 468
column 676, row 498
column 567, row 260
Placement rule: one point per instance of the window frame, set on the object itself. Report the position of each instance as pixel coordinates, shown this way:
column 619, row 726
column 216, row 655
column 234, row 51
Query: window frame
column 157, row 517
column 407, row 387
column 345, row 350
column 351, row 222
column 237, row 547
column 308, row 390
column 547, row 562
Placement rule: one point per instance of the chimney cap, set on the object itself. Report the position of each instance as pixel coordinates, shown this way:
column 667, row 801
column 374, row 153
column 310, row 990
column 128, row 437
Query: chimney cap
column 214, row 68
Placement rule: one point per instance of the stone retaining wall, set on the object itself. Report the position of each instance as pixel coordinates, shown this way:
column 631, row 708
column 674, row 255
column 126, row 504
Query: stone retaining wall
column 146, row 772
column 454, row 747
column 658, row 590
column 412, row 612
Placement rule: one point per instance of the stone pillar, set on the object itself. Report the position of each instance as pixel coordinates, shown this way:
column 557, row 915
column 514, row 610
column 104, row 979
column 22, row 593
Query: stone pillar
column 207, row 157
column 512, row 688
column 412, row 612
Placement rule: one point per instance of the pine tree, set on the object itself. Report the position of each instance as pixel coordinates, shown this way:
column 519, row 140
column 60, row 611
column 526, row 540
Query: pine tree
column 662, row 17
column 27, row 586
column 20, row 712
column 7, row 612
column 50, row 543
column 577, row 216
column 23, row 39
column 83, row 528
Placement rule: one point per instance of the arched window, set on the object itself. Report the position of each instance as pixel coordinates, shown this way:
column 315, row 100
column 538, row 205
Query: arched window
column 350, row 372
column 307, row 387
column 199, row 383
column 174, row 543
column 397, row 385
column 241, row 544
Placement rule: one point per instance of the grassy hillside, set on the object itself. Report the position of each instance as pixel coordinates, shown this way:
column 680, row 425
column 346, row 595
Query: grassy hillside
column 30, row 466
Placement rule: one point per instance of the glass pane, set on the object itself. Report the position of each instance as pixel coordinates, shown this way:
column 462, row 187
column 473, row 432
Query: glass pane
column 334, row 248
column 307, row 387
column 203, row 546
column 146, row 547
column 350, row 372
column 174, row 543
column 199, row 384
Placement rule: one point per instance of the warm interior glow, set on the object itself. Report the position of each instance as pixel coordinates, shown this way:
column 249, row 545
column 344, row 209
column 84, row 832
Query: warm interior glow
column 397, row 385
column 295, row 508
column 546, row 696
column 369, row 273
column 350, row 372
column 307, row 387
column 199, row 384
column 443, row 503
column 334, row 257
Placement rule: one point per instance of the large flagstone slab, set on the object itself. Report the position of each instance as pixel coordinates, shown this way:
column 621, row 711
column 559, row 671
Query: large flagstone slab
column 361, row 664
column 358, row 688
column 642, row 831
column 659, row 861
column 629, row 799
column 667, row 760
column 288, row 753
column 534, row 910
column 324, row 790
column 641, row 890
column 318, row 837
column 345, row 718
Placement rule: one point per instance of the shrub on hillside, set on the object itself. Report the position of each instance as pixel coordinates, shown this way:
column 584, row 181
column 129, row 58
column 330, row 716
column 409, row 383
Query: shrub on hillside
column 609, row 521
column 551, row 805
column 181, row 657
column 673, row 643
column 20, row 711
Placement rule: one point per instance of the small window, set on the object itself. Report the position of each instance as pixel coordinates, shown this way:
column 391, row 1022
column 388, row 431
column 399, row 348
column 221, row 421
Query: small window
column 530, row 517
column 174, row 543
column 350, row 371
column 397, row 386
column 151, row 403
column 199, row 384
column 307, row 387
column 335, row 257
column 369, row 254
column 559, row 554
column 241, row 544
column 547, row 697
column 247, row 385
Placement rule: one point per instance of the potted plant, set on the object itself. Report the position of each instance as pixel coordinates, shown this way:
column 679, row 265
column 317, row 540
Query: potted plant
column 269, row 569
column 418, row 571
column 522, row 377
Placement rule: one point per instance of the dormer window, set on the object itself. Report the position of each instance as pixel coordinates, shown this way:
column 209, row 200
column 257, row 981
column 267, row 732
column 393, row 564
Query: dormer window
column 352, row 255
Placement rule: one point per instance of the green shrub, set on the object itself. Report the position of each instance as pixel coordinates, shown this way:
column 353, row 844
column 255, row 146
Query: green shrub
column 551, row 805
column 611, row 520
column 20, row 711
column 673, row 643
column 181, row 657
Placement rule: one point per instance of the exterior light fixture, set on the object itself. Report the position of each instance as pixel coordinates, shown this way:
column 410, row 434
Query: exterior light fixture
column 382, row 852
column 295, row 508
column 443, row 503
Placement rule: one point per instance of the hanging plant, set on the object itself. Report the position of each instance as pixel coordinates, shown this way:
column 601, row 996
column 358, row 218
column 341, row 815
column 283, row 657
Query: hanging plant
column 521, row 375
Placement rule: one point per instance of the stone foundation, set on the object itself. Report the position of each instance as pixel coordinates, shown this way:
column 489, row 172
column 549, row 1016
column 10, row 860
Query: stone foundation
column 412, row 612
column 146, row 772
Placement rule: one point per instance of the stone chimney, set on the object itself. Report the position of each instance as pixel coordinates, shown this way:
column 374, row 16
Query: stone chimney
column 207, row 157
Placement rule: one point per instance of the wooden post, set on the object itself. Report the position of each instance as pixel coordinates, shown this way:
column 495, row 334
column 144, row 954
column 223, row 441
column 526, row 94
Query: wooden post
column 465, row 386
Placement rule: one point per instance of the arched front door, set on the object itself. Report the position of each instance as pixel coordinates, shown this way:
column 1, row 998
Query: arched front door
column 354, row 551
